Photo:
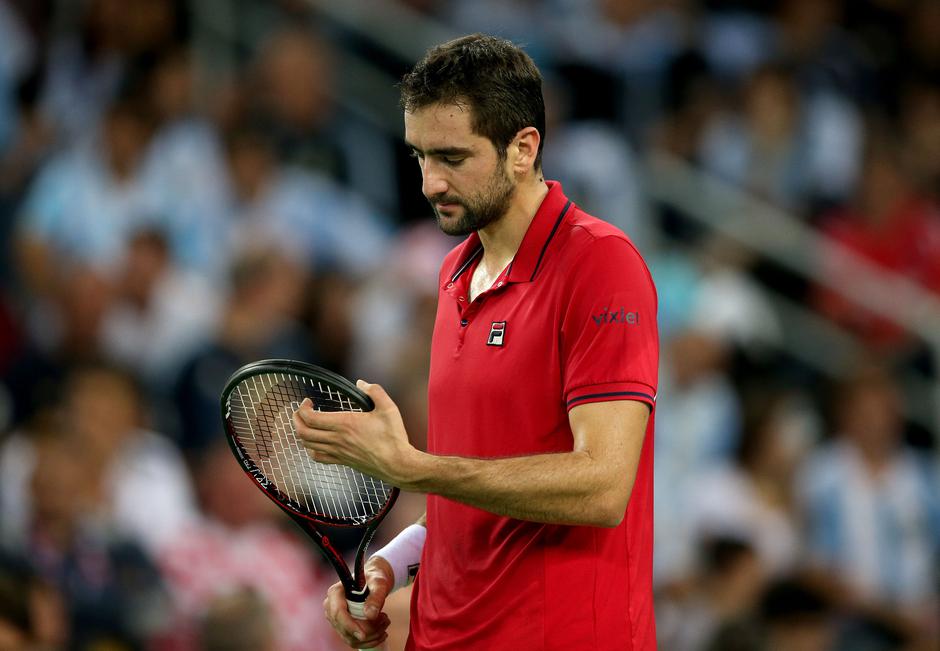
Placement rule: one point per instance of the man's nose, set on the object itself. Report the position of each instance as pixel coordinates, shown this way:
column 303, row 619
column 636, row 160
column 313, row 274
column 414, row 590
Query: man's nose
column 432, row 181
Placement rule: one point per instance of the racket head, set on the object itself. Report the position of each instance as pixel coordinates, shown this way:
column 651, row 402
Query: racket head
column 258, row 403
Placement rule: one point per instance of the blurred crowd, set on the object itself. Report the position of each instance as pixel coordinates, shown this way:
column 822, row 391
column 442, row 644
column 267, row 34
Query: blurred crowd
column 166, row 218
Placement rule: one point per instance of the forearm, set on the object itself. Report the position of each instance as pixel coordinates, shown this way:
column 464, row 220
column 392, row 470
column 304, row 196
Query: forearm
column 589, row 485
column 562, row 488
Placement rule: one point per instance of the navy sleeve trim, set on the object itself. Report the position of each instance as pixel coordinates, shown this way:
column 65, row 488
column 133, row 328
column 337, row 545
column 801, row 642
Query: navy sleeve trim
column 615, row 394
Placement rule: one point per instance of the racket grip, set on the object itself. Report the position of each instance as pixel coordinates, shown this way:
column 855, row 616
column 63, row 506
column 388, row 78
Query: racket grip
column 356, row 602
column 358, row 610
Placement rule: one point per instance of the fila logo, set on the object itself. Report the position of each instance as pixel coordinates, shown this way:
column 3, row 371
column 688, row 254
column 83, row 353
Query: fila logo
column 497, row 334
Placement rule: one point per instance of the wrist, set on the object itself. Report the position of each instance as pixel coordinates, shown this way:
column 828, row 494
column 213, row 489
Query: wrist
column 401, row 556
column 411, row 470
column 379, row 569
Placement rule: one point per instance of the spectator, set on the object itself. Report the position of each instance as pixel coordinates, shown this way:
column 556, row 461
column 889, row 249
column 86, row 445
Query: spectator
column 698, row 424
column 729, row 304
column 871, row 507
column 710, row 288
column 724, row 593
column 111, row 589
column 30, row 144
column 258, row 321
column 308, row 216
column 401, row 301
column 83, row 71
column 16, row 59
column 797, row 617
column 919, row 125
column 791, row 615
column 889, row 225
column 779, row 146
column 86, row 202
column 32, row 611
column 296, row 98
column 161, row 313
column 238, row 622
column 632, row 40
column 599, row 166
column 751, row 498
column 127, row 465
column 59, row 331
column 184, row 170
column 239, row 545
column 826, row 58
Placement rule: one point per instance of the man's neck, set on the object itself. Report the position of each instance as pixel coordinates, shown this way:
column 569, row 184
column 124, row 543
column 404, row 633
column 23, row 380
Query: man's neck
column 502, row 238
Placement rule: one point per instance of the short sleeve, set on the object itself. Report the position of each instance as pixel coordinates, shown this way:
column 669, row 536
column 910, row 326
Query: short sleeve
column 609, row 340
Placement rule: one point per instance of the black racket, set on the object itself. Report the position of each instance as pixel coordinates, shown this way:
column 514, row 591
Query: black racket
column 258, row 403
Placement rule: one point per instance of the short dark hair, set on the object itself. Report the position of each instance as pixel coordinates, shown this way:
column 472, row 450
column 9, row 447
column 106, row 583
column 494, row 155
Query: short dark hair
column 493, row 77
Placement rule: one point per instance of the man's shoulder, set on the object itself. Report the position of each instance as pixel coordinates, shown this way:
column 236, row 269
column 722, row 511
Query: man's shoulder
column 584, row 234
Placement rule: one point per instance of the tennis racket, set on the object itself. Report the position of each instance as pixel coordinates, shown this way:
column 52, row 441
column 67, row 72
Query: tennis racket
column 258, row 404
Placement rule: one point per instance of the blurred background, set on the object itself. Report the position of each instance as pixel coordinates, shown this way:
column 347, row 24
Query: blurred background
column 190, row 185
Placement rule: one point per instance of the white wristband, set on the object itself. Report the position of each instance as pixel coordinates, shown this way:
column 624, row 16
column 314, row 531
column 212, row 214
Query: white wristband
column 403, row 553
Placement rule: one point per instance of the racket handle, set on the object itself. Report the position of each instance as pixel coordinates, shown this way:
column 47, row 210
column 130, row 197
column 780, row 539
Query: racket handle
column 358, row 609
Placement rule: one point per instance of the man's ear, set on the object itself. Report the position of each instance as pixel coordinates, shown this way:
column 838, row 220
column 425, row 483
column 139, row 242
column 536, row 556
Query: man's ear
column 523, row 150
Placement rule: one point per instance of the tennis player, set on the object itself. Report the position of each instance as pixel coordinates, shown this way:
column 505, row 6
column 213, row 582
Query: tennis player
column 538, row 530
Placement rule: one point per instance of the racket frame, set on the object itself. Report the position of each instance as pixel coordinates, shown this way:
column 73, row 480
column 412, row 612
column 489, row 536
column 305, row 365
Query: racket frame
column 353, row 580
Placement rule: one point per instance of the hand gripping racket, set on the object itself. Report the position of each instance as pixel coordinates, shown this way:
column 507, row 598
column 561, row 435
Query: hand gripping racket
column 258, row 403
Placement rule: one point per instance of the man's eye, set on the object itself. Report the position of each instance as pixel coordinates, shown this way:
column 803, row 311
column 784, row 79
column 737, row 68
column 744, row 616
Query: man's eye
column 452, row 161
column 415, row 154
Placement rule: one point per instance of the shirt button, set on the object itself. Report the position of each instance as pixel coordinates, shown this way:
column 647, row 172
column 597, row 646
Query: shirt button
column 460, row 298
column 449, row 285
column 499, row 284
column 464, row 322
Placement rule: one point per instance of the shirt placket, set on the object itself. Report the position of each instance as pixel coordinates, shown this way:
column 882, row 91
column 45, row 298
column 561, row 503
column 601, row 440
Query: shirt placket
column 467, row 311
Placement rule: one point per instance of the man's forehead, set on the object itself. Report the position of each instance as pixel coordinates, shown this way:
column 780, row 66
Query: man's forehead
column 453, row 118
column 440, row 125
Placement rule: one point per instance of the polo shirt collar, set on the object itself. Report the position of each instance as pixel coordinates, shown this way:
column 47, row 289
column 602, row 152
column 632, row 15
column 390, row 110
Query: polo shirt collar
column 530, row 256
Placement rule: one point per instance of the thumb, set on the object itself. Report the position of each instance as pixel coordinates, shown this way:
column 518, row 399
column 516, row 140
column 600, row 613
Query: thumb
column 375, row 391
column 379, row 585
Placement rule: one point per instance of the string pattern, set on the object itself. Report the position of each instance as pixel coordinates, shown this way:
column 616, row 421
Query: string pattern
column 261, row 411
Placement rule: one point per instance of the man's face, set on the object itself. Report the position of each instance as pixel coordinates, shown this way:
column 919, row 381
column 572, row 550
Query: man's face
column 462, row 174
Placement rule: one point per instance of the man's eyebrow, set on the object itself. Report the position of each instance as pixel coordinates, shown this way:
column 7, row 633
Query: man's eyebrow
column 441, row 151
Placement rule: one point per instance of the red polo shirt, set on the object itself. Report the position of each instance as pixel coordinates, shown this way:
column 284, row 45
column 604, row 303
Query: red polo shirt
column 572, row 320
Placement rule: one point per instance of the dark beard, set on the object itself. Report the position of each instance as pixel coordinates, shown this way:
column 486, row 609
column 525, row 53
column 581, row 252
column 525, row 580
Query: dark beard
column 479, row 211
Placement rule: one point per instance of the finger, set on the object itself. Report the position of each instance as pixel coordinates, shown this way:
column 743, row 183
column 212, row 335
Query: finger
column 376, row 634
column 325, row 420
column 311, row 432
column 379, row 586
column 337, row 613
column 316, row 439
column 375, row 391
column 348, row 625
column 370, row 643
column 324, row 458
column 375, row 629
column 369, row 635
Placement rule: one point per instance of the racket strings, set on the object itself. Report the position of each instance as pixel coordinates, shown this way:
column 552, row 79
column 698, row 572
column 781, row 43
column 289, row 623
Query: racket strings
column 262, row 408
